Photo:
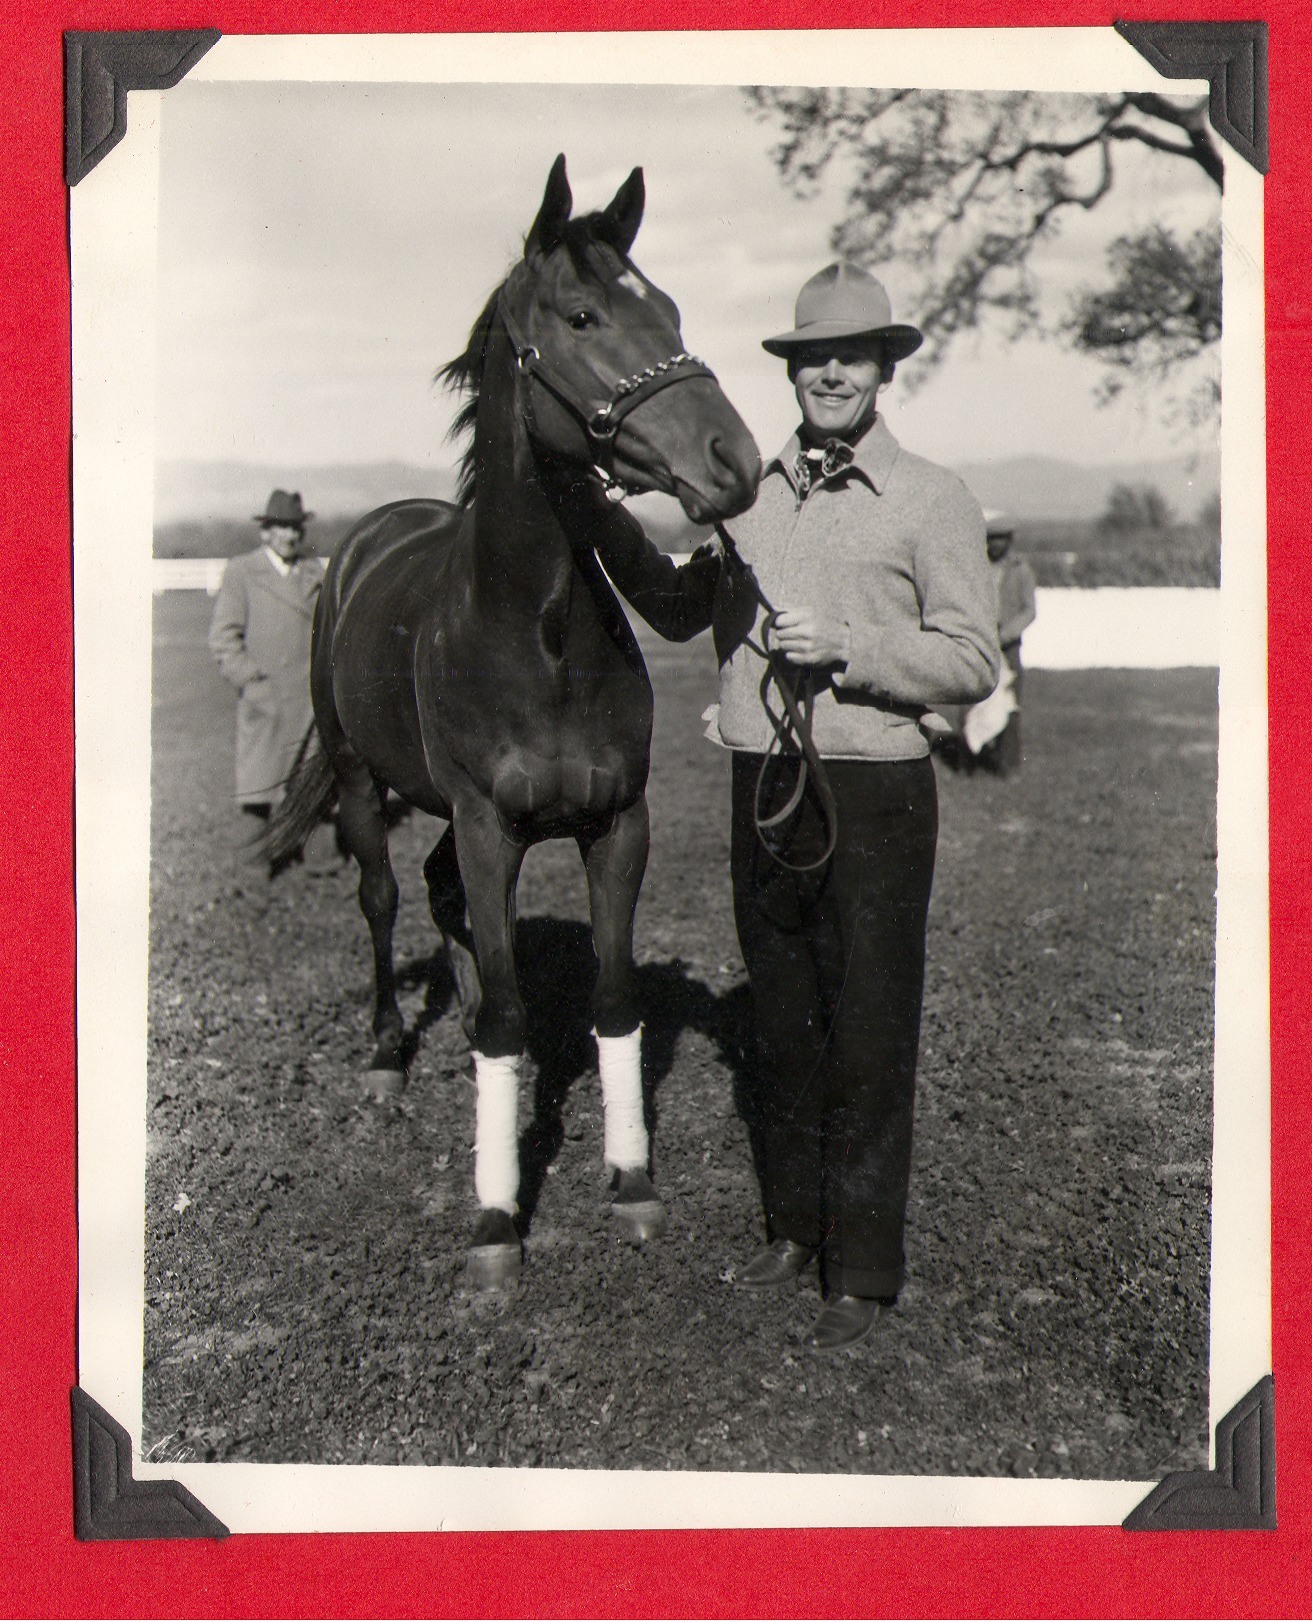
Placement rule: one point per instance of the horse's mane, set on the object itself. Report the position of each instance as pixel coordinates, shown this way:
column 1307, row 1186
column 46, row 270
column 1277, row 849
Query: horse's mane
column 465, row 372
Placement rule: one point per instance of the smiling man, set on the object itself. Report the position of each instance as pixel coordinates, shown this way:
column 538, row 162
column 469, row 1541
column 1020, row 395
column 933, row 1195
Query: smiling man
column 874, row 564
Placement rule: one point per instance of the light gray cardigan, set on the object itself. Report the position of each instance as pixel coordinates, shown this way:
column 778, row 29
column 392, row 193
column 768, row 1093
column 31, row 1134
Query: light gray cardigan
column 892, row 544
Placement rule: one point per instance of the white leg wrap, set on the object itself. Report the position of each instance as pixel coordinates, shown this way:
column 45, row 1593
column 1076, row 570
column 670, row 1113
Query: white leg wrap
column 496, row 1139
column 620, row 1062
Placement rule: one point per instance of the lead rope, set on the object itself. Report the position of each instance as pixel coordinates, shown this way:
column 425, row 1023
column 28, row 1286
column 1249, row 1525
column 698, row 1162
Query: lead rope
column 793, row 728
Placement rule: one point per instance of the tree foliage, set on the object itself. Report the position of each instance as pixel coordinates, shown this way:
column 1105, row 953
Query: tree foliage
column 1132, row 507
column 964, row 186
column 1161, row 308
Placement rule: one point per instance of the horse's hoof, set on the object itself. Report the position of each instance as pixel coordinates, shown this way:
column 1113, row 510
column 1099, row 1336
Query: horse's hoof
column 384, row 1086
column 494, row 1267
column 637, row 1207
column 496, row 1256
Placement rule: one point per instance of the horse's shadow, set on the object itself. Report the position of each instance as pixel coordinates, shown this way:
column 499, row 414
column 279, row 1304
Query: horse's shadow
column 557, row 970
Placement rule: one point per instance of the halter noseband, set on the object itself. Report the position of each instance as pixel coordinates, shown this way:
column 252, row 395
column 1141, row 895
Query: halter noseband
column 601, row 419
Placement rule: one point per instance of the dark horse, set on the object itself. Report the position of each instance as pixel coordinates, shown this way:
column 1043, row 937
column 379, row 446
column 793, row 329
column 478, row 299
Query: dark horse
column 474, row 659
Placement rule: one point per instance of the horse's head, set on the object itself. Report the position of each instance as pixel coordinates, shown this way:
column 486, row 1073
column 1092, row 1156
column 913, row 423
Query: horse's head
column 603, row 368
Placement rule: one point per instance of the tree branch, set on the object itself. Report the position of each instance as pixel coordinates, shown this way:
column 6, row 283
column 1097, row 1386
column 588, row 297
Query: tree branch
column 1135, row 132
column 1153, row 105
column 965, row 186
column 1192, row 118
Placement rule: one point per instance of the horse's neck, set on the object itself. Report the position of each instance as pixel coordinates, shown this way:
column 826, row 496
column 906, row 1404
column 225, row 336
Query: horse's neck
column 522, row 557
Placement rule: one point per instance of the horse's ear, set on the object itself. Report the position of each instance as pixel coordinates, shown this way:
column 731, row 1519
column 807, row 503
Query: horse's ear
column 553, row 216
column 619, row 223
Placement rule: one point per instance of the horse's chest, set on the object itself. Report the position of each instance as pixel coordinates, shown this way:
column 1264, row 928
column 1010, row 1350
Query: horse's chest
column 558, row 744
column 515, row 687
column 543, row 794
column 580, row 756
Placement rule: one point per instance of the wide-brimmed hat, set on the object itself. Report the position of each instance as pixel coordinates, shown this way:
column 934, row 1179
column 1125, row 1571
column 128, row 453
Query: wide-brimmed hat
column 844, row 301
column 284, row 507
column 998, row 523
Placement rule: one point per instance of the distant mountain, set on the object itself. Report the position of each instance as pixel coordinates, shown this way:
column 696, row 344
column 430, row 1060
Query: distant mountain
column 1028, row 487
column 1044, row 488
column 202, row 492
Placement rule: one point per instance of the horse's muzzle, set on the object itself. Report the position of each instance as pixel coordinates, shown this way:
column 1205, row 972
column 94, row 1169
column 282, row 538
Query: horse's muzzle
column 725, row 483
column 702, row 452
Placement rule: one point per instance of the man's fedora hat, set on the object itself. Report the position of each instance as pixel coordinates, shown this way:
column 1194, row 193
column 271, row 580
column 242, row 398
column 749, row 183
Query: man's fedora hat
column 844, row 301
column 284, row 507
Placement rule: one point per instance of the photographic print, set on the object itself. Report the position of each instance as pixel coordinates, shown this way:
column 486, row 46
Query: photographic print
column 486, row 1211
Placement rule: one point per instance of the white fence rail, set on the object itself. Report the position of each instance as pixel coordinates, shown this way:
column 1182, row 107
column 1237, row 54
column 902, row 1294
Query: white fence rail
column 187, row 574
column 1109, row 627
column 1125, row 627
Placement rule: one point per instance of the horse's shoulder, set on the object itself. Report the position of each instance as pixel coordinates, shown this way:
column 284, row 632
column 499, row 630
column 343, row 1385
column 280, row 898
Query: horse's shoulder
column 400, row 523
column 392, row 547
column 400, row 520
column 419, row 509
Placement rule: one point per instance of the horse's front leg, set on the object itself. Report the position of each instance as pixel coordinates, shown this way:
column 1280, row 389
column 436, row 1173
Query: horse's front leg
column 446, row 902
column 615, row 864
column 489, row 867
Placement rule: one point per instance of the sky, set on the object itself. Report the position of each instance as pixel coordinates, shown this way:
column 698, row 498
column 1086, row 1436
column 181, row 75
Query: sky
column 325, row 247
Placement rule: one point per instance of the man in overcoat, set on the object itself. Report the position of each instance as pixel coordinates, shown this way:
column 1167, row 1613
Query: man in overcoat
column 260, row 637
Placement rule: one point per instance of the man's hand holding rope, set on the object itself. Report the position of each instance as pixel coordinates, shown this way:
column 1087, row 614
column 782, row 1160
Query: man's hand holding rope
column 806, row 637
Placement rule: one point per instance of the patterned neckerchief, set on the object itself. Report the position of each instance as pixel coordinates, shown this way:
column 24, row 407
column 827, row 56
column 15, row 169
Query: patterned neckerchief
column 826, row 460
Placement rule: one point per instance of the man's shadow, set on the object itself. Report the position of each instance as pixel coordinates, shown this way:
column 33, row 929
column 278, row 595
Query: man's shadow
column 557, row 970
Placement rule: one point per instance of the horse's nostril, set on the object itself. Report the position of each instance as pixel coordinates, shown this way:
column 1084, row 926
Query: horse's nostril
column 728, row 468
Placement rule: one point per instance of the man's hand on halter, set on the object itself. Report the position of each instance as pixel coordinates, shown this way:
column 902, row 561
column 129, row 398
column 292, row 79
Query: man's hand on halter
column 806, row 637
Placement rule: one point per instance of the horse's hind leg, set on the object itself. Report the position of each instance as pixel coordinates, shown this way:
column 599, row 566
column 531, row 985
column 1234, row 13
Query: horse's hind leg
column 615, row 865
column 363, row 825
column 446, row 902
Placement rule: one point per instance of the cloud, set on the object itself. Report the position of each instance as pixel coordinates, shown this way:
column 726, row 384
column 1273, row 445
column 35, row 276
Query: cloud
column 323, row 248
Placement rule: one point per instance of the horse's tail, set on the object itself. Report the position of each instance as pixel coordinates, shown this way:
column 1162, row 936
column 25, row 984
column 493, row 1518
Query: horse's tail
column 310, row 795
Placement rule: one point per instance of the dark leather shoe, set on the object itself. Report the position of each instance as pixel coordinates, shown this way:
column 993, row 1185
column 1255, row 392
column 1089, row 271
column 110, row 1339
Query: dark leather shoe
column 845, row 1320
column 779, row 1263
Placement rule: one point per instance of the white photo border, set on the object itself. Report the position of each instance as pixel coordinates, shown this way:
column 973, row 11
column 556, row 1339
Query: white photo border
column 114, row 224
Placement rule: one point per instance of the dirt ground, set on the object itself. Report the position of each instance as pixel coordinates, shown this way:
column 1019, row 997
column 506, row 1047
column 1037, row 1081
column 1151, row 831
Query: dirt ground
column 305, row 1247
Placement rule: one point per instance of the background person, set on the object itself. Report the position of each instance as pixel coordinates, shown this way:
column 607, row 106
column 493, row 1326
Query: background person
column 987, row 734
column 260, row 637
column 875, row 560
column 1013, row 582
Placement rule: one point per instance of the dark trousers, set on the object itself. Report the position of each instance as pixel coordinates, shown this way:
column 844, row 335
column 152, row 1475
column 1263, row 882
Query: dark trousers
column 836, row 960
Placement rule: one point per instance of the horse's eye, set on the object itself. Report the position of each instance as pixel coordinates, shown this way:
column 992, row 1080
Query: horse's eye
column 581, row 320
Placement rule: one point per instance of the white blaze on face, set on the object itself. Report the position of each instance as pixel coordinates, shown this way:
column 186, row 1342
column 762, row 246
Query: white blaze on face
column 633, row 283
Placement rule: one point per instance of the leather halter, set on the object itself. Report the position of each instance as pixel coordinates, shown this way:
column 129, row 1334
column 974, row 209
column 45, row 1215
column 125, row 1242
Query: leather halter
column 600, row 419
column 793, row 729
